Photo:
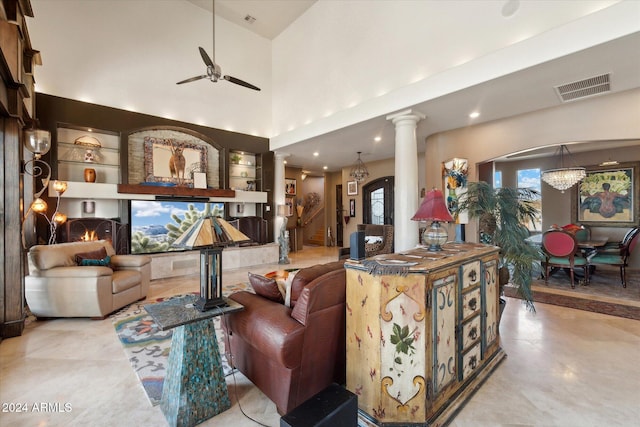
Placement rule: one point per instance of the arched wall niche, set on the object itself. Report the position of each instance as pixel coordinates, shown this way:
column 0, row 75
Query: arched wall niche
column 150, row 149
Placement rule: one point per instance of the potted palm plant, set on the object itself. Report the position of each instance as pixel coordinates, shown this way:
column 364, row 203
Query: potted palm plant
column 502, row 215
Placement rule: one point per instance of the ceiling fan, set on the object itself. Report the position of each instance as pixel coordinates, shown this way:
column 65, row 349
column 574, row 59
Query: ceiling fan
column 214, row 72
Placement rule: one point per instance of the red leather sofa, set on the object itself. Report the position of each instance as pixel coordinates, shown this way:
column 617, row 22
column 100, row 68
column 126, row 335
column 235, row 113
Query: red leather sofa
column 292, row 353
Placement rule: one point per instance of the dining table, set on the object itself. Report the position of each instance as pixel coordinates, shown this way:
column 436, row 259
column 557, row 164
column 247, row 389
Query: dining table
column 536, row 239
column 587, row 247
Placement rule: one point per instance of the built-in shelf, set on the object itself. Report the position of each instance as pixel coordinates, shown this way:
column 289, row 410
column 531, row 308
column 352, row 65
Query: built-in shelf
column 244, row 172
column 96, row 190
column 175, row 191
column 72, row 158
column 87, row 164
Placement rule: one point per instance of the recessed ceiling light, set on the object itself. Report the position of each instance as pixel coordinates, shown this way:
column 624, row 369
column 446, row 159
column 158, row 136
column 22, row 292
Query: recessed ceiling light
column 316, row 154
column 325, row 167
column 474, row 115
column 285, row 162
column 377, row 139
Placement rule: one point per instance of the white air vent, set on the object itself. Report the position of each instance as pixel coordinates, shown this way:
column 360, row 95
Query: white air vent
column 584, row 88
column 250, row 19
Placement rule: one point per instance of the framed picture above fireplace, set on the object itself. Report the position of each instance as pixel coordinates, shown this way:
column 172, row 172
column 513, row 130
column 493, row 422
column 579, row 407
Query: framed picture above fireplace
column 173, row 161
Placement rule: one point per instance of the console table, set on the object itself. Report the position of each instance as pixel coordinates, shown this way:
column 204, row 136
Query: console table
column 422, row 331
column 194, row 387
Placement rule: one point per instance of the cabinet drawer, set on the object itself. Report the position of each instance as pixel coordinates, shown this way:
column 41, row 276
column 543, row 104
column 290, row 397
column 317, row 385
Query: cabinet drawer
column 470, row 332
column 471, row 361
column 470, row 303
column 470, row 274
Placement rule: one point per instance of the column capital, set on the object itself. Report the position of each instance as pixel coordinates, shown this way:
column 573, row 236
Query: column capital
column 408, row 114
column 281, row 155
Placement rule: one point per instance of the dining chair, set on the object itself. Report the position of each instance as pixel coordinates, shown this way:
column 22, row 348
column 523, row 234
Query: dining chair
column 619, row 258
column 614, row 247
column 561, row 250
column 583, row 234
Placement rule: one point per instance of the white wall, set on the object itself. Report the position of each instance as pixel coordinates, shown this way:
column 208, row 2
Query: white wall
column 604, row 119
column 376, row 170
column 130, row 54
column 343, row 62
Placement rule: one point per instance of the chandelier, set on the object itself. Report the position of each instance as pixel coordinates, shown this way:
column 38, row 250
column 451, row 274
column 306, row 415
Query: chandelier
column 563, row 177
column 359, row 171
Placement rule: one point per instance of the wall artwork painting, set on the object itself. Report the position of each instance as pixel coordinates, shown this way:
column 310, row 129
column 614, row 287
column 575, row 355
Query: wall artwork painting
column 454, row 173
column 290, row 187
column 608, row 196
column 352, row 188
column 173, row 161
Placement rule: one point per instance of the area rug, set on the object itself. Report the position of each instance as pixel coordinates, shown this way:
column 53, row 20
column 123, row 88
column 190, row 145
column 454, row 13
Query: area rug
column 604, row 294
column 147, row 347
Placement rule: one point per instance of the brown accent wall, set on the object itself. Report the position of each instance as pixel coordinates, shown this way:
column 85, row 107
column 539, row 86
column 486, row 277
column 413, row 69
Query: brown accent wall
column 52, row 110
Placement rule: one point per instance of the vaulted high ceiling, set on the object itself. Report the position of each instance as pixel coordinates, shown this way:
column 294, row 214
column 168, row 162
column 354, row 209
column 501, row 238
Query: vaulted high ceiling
column 332, row 70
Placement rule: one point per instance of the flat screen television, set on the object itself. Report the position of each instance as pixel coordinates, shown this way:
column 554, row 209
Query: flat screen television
column 155, row 225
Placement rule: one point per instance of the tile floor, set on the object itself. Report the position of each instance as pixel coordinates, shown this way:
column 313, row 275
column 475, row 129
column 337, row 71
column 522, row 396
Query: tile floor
column 564, row 368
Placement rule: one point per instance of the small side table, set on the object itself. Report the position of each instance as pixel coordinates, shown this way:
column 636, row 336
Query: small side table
column 194, row 387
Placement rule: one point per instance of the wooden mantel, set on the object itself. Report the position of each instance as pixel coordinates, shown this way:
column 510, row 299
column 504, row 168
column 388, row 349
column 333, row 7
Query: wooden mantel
column 174, row 191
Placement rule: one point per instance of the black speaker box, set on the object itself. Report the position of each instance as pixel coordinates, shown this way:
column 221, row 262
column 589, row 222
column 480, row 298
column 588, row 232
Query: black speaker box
column 356, row 242
column 334, row 406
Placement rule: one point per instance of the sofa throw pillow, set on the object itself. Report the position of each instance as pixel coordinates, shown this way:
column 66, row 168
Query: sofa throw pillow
column 287, row 287
column 265, row 287
column 89, row 258
column 104, row 262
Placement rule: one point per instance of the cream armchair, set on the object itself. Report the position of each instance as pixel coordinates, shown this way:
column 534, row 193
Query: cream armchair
column 58, row 287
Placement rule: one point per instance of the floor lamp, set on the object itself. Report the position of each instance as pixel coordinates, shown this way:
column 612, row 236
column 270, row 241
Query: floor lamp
column 210, row 235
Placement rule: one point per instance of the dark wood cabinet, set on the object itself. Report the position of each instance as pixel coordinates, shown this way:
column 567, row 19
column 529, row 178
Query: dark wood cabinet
column 17, row 104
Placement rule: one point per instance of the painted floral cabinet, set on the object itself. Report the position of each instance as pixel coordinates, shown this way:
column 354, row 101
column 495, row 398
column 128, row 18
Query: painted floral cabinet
column 421, row 331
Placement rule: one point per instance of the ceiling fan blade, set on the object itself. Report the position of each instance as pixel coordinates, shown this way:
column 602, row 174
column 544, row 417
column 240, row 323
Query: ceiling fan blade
column 205, row 57
column 192, row 79
column 240, row 82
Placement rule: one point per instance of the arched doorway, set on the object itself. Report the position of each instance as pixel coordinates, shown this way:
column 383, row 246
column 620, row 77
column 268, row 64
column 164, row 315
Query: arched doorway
column 377, row 201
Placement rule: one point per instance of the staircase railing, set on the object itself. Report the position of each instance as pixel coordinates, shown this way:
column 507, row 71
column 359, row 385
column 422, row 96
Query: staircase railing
column 308, row 219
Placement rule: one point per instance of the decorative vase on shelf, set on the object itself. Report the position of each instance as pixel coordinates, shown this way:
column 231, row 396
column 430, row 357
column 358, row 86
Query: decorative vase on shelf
column 89, row 175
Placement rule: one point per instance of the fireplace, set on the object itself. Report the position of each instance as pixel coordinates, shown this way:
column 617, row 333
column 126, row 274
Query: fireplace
column 81, row 229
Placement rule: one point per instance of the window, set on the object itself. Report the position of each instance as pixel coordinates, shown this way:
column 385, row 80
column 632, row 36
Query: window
column 377, row 206
column 530, row 178
column 497, row 179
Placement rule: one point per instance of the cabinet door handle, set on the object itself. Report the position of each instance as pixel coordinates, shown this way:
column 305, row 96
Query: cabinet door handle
column 473, row 333
column 473, row 362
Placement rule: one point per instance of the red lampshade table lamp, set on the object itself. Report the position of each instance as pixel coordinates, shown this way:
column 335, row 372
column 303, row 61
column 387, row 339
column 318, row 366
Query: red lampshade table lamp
column 434, row 208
